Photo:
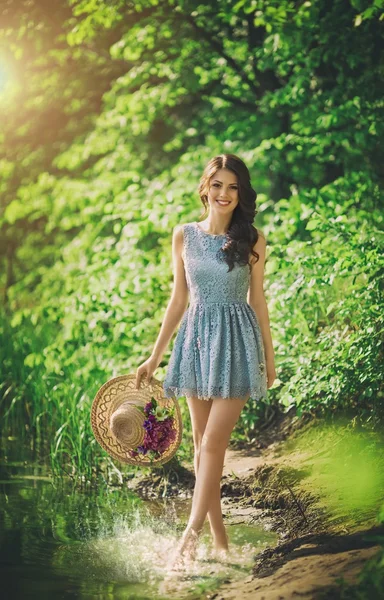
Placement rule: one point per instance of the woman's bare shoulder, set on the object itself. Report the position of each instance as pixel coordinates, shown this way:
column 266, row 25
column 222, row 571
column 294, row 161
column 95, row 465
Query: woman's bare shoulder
column 259, row 246
column 260, row 232
column 179, row 228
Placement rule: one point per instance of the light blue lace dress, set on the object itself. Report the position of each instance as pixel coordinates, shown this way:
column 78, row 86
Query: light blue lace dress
column 218, row 350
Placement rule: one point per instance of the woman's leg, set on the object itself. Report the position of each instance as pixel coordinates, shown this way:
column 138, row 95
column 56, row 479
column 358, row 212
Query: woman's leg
column 222, row 418
column 199, row 411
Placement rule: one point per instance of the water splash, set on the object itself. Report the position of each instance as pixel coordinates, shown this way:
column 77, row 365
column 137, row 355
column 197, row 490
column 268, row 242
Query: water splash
column 135, row 550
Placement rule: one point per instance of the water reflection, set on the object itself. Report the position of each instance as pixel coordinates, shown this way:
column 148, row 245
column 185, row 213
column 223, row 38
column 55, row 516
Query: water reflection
column 58, row 543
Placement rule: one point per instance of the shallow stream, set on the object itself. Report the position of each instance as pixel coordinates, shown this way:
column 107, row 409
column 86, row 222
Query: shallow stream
column 57, row 542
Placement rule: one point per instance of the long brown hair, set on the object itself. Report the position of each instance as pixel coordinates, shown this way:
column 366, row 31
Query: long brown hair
column 241, row 235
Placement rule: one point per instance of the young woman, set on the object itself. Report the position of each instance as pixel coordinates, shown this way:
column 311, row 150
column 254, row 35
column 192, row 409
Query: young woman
column 223, row 352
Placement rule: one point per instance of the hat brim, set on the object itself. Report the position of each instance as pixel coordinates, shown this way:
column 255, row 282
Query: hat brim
column 121, row 389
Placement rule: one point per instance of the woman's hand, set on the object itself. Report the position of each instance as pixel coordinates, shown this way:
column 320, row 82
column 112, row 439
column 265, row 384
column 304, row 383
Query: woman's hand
column 146, row 368
column 271, row 373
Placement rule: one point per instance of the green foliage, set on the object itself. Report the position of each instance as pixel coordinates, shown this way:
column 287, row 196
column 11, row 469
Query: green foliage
column 329, row 298
column 110, row 112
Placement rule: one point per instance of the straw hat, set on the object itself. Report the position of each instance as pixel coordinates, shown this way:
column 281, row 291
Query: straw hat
column 119, row 420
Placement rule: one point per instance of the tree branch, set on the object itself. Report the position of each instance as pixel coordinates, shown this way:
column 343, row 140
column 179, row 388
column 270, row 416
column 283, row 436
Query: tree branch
column 218, row 47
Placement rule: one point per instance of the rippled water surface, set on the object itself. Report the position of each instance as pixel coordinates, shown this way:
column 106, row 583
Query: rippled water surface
column 56, row 542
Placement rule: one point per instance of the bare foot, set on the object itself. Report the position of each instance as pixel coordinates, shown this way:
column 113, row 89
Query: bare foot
column 220, row 553
column 186, row 550
column 220, row 550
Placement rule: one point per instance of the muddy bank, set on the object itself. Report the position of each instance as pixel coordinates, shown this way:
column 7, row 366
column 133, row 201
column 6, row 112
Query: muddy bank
column 298, row 479
column 313, row 551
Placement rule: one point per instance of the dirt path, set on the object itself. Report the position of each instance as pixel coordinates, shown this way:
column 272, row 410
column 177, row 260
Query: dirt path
column 303, row 487
column 301, row 575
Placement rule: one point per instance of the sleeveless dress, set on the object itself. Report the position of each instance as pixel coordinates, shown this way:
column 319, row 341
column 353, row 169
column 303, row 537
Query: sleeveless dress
column 218, row 351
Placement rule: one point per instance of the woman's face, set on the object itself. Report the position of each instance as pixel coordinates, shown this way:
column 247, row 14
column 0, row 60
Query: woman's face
column 223, row 194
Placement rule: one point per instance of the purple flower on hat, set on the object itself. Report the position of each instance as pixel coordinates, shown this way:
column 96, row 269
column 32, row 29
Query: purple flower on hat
column 148, row 424
column 148, row 407
column 159, row 430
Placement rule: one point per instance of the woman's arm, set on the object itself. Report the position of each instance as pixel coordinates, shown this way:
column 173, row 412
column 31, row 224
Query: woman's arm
column 256, row 298
column 179, row 297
